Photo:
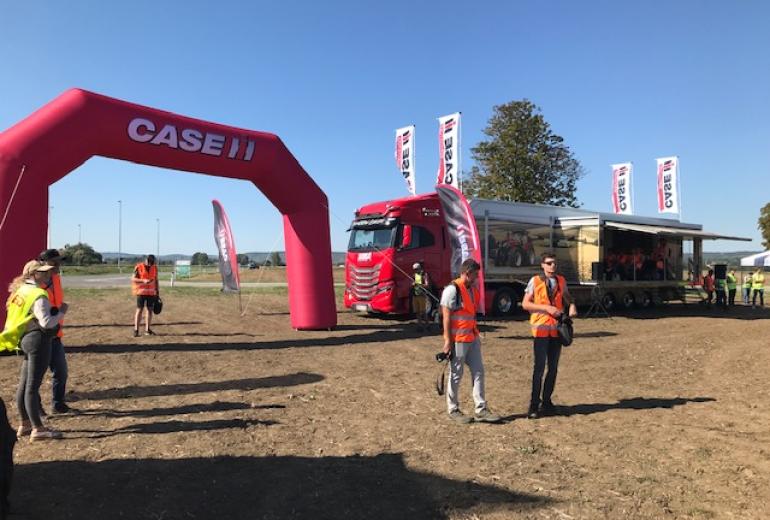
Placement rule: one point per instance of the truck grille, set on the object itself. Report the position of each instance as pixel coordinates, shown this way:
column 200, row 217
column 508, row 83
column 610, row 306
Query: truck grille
column 363, row 282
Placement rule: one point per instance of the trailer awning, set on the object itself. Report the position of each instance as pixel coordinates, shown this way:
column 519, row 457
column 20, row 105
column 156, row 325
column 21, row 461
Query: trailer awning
column 672, row 231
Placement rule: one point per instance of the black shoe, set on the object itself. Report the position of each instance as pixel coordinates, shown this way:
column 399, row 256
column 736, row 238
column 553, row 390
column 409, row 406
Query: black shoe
column 62, row 408
column 149, row 332
column 532, row 413
column 549, row 409
column 136, row 333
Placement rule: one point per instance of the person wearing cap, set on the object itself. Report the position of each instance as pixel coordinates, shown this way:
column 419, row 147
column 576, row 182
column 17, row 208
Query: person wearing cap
column 58, row 365
column 420, row 289
column 460, row 301
column 146, row 289
column 30, row 325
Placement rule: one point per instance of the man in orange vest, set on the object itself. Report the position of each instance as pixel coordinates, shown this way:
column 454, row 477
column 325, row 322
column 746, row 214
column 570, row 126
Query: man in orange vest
column 58, row 363
column 545, row 297
column 459, row 304
column 145, row 287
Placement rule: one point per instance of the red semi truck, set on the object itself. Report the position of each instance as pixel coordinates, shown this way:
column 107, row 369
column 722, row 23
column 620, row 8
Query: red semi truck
column 622, row 260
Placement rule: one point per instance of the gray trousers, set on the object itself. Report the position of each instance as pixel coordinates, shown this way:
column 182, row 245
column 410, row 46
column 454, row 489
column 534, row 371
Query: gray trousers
column 470, row 354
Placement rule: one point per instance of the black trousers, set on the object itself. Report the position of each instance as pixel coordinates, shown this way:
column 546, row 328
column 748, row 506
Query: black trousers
column 731, row 297
column 545, row 350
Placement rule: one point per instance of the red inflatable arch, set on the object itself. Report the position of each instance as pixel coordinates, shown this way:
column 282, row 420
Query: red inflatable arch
column 77, row 125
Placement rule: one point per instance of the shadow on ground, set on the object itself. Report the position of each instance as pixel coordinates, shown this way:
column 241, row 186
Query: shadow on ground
column 138, row 345
column 356, row 487
column 578, row 335
column 216, row 406
column 133, row 391
column 168, row 427
column 633, row 403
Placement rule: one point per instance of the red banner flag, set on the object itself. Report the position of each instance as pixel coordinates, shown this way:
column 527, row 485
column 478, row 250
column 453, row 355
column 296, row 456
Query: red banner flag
column 228, row 260
column 463, row 234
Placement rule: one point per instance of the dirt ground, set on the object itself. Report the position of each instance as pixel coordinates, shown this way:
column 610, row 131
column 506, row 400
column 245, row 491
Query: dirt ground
column 665, row 414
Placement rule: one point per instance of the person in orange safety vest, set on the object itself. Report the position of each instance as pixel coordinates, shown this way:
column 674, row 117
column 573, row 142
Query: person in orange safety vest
column 145, row 287
column 459, row 305
column 58, row 363
column 545, row 298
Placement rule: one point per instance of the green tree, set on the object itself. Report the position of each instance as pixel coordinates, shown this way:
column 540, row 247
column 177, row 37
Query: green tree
column 80, row 254
column 275, row 259
column 200, row 259
column 242, row 259
column 523, row 160
column 764, row 225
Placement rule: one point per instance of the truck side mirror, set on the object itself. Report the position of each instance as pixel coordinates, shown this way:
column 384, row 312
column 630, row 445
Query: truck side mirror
column 406, row 236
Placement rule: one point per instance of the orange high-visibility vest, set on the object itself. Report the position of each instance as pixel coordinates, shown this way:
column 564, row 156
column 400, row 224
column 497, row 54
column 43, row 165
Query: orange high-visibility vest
column 463, row 320
column 543, row 324
column 56, row 297
column 147, row 273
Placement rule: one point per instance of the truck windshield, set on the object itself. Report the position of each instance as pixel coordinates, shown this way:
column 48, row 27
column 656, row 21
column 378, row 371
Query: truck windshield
column 371, row 239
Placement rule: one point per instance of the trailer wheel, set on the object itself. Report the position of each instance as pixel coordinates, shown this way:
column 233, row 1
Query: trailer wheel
column 504, row 302
column 629, row 300
column 517, row 258
column 609, row 301
column 647, row 300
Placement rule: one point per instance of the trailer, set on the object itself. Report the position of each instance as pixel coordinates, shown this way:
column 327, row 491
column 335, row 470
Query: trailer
column 622, row 261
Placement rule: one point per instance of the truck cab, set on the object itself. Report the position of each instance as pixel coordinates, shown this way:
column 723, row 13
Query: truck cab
column 386, row 239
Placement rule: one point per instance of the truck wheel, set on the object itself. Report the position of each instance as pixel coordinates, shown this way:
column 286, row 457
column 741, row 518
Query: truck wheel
column 609, row 301
column 517, row 259
column 629, row 300
column 504, row 302
column 647, row 300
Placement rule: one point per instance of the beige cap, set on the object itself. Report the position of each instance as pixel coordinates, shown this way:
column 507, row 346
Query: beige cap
column 34, row 266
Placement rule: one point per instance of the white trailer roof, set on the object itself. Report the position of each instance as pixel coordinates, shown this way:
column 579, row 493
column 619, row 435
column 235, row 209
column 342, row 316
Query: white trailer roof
column 758, row 260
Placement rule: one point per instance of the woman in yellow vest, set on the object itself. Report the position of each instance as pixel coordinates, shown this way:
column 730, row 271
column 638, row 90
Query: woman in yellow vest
column 459, row 305
column 30, row 325
column 746, row 288
column 758, row 287
column 144, row 285
column 544, row 298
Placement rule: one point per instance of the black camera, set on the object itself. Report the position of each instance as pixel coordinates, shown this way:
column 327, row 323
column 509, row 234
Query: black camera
column 443, row 356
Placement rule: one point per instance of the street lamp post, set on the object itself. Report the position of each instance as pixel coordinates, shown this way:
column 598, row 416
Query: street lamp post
column 157, row 242
column 80, row 236
column 120, row 232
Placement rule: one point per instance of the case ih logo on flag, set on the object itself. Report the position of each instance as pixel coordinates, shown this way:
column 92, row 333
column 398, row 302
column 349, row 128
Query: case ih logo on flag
column 449, row 150
column 228, row 260
column 405, row 155
column 621, row 189
column 463, row 238
column 668, row 185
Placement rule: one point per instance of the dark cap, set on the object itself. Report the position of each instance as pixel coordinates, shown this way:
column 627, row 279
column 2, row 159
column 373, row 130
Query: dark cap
column 49, row 254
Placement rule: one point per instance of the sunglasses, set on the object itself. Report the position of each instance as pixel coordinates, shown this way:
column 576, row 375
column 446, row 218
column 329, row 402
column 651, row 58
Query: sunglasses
column 550, row 262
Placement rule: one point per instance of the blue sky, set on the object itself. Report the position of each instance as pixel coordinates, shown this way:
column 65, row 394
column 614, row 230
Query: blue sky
column 620, row 81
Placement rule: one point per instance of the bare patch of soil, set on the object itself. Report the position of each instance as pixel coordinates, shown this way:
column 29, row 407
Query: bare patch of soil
column 664, row 415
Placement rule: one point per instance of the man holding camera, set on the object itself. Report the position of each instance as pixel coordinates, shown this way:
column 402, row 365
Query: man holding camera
column 545, row 297
column 459, row 303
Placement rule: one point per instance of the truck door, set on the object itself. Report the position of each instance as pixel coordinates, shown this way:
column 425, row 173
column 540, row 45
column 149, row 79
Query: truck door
column 417, row 244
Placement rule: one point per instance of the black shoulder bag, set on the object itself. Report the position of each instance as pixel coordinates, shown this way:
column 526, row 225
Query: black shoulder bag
column 564, row 322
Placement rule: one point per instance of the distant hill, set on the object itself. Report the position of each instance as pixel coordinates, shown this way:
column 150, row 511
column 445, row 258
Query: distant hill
column 254, row 256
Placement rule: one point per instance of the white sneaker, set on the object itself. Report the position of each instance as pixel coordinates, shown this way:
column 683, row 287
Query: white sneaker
column 44, row 435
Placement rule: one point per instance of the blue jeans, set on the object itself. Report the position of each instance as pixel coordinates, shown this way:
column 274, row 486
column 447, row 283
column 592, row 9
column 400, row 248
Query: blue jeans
column 59, row 371
column 36, row 346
